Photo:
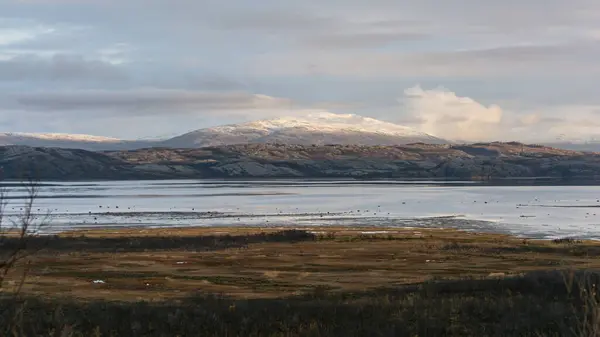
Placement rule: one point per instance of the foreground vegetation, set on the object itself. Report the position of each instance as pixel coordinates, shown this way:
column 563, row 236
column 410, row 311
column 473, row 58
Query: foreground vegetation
column 528, row 306
column 322, row 282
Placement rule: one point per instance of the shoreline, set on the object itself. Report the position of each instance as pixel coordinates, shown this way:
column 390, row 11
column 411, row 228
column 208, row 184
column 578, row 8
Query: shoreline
column 374, row 231
column 438, row 182
column 244, row 230
column 324, row 222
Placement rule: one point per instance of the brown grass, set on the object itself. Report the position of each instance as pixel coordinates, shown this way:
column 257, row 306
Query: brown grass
column 146, row 264
column 340, row 282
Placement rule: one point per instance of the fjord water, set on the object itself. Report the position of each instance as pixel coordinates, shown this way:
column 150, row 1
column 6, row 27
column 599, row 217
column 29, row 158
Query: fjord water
column 531, row 211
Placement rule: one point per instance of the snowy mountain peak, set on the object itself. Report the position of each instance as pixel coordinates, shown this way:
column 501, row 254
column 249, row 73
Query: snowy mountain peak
column 317, row 128
column 327, row 122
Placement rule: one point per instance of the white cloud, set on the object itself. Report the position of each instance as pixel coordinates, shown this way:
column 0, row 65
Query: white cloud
column 445, row 114
column 11, row 35
column 116, row 54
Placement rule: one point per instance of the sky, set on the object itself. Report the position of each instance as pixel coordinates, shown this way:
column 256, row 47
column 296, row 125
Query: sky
column 472, row 70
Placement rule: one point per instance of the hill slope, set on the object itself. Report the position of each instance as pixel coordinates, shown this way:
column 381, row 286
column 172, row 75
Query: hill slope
column 70, row 141
column 486, row 160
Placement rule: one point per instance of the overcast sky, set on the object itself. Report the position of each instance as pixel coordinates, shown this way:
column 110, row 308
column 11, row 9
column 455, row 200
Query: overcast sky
column 462, row 69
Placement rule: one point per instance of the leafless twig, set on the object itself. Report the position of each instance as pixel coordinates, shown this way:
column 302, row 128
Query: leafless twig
column 14, row 249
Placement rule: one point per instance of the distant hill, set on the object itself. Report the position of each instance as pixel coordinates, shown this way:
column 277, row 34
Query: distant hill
column 319, row 129
column 316, row 129
column 476, row 161
column 591, row 146
column 70, row 141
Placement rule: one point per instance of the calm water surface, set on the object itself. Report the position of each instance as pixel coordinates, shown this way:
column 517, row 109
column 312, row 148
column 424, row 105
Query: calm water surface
column 537, row 211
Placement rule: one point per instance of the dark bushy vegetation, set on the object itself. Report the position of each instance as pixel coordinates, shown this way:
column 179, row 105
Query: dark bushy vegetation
column 142, row 243
column 539, row 304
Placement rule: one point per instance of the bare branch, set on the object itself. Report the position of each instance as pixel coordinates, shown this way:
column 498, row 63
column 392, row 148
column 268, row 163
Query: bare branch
column 15, row 239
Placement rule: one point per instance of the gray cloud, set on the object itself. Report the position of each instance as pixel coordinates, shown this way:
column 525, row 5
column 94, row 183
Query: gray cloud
column 274, row 21
column 533, row 60
column 543, row 17
column 58, row 68
column 553, row 120
column 362, row 40
column 150, row 101
column 213, row 82
column 308, row 30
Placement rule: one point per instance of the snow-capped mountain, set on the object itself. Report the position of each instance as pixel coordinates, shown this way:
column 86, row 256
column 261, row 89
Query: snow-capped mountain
column 324, row 128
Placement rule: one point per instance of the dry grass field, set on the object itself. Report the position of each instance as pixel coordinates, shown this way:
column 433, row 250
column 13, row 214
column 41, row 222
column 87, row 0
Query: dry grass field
column 156, row 264
column 303, row 282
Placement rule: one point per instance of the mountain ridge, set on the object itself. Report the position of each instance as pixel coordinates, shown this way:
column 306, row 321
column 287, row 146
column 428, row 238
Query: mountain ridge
column 60, row 136
column 318, row 129
column 481, row 161
column 322, row 128
column 315, row 129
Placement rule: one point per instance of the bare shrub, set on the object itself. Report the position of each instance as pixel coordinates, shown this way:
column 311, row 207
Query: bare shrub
column 566, row 241
column 16, row 232
column 583, row 287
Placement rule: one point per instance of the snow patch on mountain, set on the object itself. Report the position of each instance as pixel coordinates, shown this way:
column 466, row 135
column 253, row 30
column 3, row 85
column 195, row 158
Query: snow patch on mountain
column 326, row 122
column 320, row 128
column 71, row 141
column 57, row 137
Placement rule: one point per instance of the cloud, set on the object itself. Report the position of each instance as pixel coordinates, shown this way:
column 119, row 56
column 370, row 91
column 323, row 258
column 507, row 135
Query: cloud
column 115, row 54
column 273, row 21
column 533, row 58
column 15, row 31
column 361, row 40
column 140, row 112
column 58, row 68
column 10, row 36
column 212, row 82
column 497, row 62
column 152, row 111
column 303, row 30
column 444, row 114
column 476, row 18
column 149, row 101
